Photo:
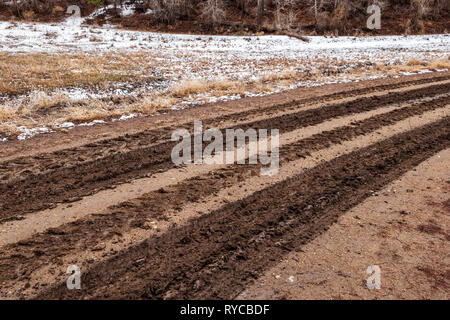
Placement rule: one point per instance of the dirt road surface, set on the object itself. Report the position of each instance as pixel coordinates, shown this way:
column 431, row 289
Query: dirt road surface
column 364, row 180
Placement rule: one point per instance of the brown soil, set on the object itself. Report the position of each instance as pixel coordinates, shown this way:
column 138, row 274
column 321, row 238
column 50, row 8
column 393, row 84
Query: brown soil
column 403, row 228
column 209, row 232
column 58, row 178
column 215, row 256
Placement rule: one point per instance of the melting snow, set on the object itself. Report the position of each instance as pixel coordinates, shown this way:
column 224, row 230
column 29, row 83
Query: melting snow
column 35, row 37
column 227, row 56
column 28, row 133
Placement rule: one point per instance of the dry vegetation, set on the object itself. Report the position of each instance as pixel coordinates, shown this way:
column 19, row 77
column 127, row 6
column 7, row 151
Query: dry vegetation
column 304, row 16
column 53, row 109
column 188, row 88
column 416, row 65
column 21, row 73
column 44, row 78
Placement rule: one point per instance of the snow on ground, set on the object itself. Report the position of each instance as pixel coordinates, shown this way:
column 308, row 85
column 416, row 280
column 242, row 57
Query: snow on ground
column 226, row 56
column 35, row 37
column 214, row 57
column 233, row 57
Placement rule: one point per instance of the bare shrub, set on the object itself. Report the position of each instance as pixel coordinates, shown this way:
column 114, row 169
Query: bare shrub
column 416, row 62
column 440, row 64
column 323, row 21
column 213, row 12
column 285, row 16
column 169, row 11
column 339, row 17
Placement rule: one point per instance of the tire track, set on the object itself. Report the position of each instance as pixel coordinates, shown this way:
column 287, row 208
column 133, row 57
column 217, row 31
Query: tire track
column 85, row 234
column 42, row 191
column 10, row 168
column 320, row 136
column 216, row 255
column 132, row 140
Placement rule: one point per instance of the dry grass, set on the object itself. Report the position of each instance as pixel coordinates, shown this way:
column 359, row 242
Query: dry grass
column 38, row 103
column 153, row 104
column 188, row 88
column 25, row 72
column 7, row 128
column 415, row 65
column 42, row 101
column 53, row 109
column 405, row 68
column 225, row 85
column 440, row 64
column 416, row 62
column 7, row 112
column 46, row 73
column 278, row 76
column 95, row 110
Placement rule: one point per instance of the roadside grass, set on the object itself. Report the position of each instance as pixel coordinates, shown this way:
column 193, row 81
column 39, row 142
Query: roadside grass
column 440, row 64
column 417, row 65
column 55, row 109
column 416, row 62
column 21, row 73
column 40, row 81
column 152, row 104
column 219, row 87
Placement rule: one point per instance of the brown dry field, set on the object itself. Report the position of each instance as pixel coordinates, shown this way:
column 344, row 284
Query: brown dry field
column 49, row 90
column 363, row 180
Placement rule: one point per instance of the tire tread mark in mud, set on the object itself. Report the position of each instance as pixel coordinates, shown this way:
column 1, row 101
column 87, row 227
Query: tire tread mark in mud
column 217, row 255
column 136, row 213
column 48, row 161
column 42, row 191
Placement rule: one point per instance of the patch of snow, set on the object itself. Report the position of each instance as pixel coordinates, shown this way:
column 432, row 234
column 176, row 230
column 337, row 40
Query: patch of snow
column 28, row 133
column 31, row 37
column 178, row 57
column 126, row 117
column 406, row 73
column 100, row 11
column 89, row 124
column 128, row 10
column 66, row 125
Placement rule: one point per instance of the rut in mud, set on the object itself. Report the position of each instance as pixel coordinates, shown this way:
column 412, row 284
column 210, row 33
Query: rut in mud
column 85, row 232
column 215, row 256
column 66, row 182
column 224, row 241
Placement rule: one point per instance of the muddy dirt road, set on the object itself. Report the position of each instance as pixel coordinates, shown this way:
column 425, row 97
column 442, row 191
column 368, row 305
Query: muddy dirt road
column 140, row 227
